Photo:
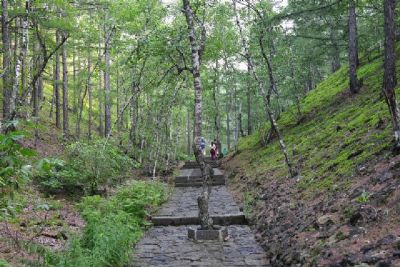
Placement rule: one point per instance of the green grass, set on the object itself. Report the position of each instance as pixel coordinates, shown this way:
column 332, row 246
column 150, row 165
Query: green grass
column 337, row 133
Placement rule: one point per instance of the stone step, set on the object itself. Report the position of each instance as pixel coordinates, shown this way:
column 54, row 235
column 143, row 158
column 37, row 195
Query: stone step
column 192, row 177
column 198, row 184
column 195, row 165
column 223, row 220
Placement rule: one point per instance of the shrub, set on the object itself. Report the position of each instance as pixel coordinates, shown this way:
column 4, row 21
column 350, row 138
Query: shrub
column 14, row 172
column 86, row 165
column 112, row 225
column 96, row 164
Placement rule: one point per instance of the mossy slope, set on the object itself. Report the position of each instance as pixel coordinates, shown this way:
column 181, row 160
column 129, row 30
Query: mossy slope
column 336, row 135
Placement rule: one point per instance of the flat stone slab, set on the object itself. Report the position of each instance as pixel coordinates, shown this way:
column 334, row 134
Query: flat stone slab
column 220, row 234
column 183, row 203
column 192, row 177
column 193, row 173
column 194, row 164
column 170, row 246
column 228, row 219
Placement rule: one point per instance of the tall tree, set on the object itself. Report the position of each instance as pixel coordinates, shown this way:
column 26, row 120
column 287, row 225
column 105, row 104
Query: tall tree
column 56, row 83
column 264, row 94
column 197, row 49
column 65, row 90
column 389, row 79
column 107, row 82
column 353, row 48
column 7, row 77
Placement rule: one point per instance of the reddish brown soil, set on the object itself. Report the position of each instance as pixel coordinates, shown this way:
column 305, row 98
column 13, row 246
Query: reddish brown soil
column 331, row 229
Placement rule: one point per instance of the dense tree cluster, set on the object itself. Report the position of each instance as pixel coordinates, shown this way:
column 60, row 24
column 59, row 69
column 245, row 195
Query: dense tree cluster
column 126, row 69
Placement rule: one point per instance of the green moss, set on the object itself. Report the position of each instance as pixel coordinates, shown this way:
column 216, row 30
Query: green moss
column 338, row 133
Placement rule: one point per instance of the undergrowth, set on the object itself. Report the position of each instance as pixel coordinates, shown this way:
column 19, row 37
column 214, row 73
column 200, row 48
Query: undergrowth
column 113, row 225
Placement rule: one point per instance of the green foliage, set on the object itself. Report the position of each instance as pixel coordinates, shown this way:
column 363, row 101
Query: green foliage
column 112, row 226
column 363, row 198
column 4, row 263
column 14, row 172
column 86, row 165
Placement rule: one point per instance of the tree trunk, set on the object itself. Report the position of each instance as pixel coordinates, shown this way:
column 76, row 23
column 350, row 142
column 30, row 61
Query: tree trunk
column 100, row 99
column 217, row 120
column 25, row 77
column 389, row 80
column 132, row 133
column 74, row 87
column 65, row 92
column 90, row 94
column 36, row 88
column 188, row 132
column 7, row 77
column 197, row 48
column 335, row 51
column 56, row 84
column 264, row 94
column 107, row 86
column 249, row 124
column 353, row 48
column 17, row 69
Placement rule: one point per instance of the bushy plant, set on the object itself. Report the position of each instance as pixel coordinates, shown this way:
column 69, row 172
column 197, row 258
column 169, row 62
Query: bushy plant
column 85, row 165
column 96, row 163
column 113, row 225
column 14, row 170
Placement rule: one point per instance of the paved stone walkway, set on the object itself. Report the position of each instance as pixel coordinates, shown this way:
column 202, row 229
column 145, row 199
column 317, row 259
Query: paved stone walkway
column 169, row 245
column 184, row 202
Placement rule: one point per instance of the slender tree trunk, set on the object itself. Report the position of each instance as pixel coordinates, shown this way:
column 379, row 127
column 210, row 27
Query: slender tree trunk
column 107, row 85
column 217, row 120
column 264, row 93
column 389, row 79
column 197, row 48
column 335, row 50
column 100, row 99
column 134, row 117
column 65, row 91
column 17, row 70
column 7, row 77
column 25, row 77
column 36, row 89
column 248, row 94
column 74, row 87
column 188, row 132
column 353, row 48
column 56, row 84
column 90, row 93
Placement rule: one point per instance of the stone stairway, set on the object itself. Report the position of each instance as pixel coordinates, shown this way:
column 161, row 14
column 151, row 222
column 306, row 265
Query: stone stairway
column 167, row 244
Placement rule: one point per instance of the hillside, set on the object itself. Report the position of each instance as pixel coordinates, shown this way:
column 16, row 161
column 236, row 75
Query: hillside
column 344, row 208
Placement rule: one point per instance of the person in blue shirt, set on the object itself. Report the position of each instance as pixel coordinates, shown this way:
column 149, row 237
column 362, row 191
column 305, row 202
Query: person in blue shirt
column 203, row 145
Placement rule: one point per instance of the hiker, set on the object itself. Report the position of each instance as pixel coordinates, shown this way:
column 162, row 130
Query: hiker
column 213, row 151
column 203, row 146
column 218, row 146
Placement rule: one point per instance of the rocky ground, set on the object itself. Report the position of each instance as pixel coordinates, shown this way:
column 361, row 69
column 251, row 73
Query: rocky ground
column 357, row 226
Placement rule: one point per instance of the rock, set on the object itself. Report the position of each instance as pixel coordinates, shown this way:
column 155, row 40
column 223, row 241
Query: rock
column 325, row 220
column 355, row 218
column 367, row 248
column 383, row 177
column 348, row 260
column 387, row 240
column 385, row 263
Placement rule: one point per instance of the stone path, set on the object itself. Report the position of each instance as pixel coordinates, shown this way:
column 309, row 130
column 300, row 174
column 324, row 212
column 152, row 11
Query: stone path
column 169, row 246
column 184, row 202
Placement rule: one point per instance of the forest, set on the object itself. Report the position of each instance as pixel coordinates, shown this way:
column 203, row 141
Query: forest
column 105, row 103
